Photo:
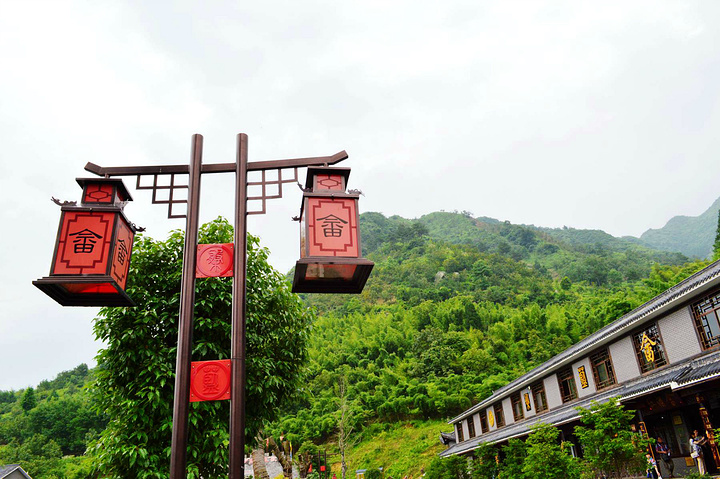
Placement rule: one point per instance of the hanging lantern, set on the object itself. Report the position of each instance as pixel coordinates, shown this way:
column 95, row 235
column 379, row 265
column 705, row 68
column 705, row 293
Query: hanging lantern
column 330, row 253
column 94, row 244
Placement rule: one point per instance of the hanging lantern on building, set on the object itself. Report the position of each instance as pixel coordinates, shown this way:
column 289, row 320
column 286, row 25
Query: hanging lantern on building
column 93, row 248
column 330, row 252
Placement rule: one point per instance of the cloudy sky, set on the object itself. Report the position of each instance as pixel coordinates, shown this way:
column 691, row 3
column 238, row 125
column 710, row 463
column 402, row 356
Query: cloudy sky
column 586, row 114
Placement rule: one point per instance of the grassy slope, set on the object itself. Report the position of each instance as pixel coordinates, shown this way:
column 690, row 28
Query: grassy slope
column 401, row 448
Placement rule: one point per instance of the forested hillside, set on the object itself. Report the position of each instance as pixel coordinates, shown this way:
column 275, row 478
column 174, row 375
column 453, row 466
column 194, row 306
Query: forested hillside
column 455, row 308
column 47, row 429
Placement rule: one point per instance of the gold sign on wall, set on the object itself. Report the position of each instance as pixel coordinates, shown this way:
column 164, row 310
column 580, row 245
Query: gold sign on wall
column 583, row 377
column 491, row 418
column 646, row 345
column 526, row 397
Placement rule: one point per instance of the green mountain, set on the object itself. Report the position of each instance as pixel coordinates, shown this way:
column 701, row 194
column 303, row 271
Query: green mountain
column 691, row 235
column 592, row 256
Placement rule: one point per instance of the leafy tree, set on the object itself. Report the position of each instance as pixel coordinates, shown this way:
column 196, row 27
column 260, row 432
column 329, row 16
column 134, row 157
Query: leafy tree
column 512, row 465
column 29, row 400
column 485, row 464
column 136, row 370
column 609, row 446
column 454, row 467
column 546, row 457
column 39, row 456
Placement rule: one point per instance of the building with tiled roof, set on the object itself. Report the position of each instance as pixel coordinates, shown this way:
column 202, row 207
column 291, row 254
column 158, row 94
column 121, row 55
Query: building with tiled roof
column 662, row 360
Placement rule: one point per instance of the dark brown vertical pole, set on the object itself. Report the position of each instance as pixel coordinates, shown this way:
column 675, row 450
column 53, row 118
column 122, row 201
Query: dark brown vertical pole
column 237, row 349
column 178, row 455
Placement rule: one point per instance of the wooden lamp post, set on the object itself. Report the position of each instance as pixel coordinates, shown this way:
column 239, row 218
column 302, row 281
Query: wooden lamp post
column 211, row 380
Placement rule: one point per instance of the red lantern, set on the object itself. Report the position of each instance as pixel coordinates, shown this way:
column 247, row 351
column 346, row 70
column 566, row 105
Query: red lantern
column 330, row 250
column 93, row 249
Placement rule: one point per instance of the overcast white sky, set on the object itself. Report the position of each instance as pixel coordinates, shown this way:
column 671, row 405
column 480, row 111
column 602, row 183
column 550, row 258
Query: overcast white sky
column 586, row 114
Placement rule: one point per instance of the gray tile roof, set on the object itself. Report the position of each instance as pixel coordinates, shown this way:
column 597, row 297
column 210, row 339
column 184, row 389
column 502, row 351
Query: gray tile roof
column 674, row 376
column 700, row 281
column 10, row 468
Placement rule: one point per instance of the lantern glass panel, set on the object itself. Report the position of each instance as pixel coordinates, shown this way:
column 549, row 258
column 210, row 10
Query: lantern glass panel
column 318, row 271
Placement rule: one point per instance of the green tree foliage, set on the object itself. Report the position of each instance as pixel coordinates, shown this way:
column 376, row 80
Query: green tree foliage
column 38, row 455
column 136, row 370
column 514, row 454
column 609, row 446
column 546, row 457
column 485, row 464
column 455, row 467
column 29, row 400
column 49, row 439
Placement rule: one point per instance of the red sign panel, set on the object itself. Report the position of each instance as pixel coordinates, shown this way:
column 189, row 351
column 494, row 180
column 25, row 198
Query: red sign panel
column 332, row 227
column 210, row 380
column 214, row 260
column 123, row 250
column 329, row 182
column 84, row 242
column 98, row 193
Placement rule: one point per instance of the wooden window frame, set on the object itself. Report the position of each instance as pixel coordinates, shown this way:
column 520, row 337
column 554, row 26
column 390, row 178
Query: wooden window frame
column 483, row 422
column 461, row 434
column 471, row 427
column 517, row 405
column 539, row 387
column 603, row 357
column 700, row 319
column 499, row 415
column 566, row 375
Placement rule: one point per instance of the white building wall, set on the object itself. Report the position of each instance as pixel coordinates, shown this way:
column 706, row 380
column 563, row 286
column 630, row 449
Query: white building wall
column 591, row 389
column 466, row 431
column 476, row 421
column 507, row 411
column 679, row 336
column 624, row 361
column 552, row 391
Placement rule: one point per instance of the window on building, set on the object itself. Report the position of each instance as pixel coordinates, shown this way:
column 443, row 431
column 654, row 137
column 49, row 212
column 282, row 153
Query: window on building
column 517, row 407
column 499, row 415
column 566, row 380
column 483, row 422
column 602, row 369
column 471, row 427
column 538, row 391
column 461, row 436
column 707, row 320
column 649, row 348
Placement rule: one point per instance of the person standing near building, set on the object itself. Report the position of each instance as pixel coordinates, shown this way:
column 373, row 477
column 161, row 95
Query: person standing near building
column 663, row 452
column 651, row 469
column 697, row 441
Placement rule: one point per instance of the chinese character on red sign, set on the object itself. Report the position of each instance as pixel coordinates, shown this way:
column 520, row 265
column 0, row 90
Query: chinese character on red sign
column 84, row 242
column 332, row 227
column 214, row 260
column 210, row 380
